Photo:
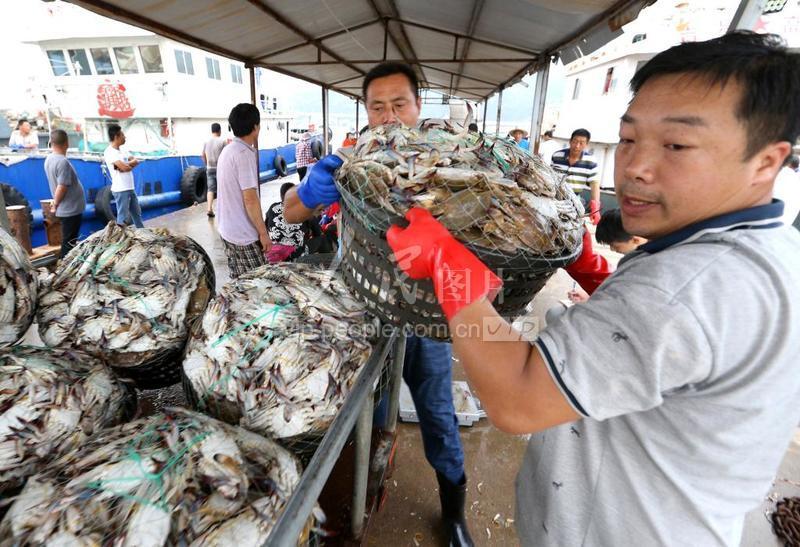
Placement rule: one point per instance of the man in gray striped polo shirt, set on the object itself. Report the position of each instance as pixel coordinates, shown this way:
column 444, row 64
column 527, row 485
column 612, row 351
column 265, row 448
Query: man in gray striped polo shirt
column 579, row 170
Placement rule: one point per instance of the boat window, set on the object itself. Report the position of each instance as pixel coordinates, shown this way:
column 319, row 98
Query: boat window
column 58, row 62
column 212, row 66
column 184, row 61
column 80, row 63
column 236, row 74
column 102, row 61
column 126, row 60
column 151, row 59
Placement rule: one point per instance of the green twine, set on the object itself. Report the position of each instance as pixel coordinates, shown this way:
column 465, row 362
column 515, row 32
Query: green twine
column 265, row 341
column 154, row 478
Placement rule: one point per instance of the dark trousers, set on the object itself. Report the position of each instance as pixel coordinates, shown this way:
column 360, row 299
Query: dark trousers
column 70, row 228
column 427, row 371
column 301, row 172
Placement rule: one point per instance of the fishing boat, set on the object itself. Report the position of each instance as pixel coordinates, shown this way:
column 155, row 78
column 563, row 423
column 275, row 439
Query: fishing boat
column 164, row 94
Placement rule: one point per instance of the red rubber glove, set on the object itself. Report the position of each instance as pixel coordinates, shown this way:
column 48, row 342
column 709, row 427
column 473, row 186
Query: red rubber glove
column 591, row 269
column 594, row 211
column 427, row 250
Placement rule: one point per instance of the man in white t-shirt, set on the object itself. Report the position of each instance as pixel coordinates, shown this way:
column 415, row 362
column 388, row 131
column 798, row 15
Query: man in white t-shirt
column 548, row 146
column 120, row 164
column 24, row 137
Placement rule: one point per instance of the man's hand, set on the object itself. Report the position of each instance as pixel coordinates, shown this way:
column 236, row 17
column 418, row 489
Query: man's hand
column 594, row 211
column 266, row 243
column 133, row 163
column 319, row 188
column 578, row 295
column 427, row 250
column 53, row 207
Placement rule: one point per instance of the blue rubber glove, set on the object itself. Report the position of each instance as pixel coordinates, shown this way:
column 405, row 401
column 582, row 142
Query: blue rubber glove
column 318, row 187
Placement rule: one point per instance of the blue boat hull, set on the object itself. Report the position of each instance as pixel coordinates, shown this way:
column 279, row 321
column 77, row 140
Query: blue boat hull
column 157, row 184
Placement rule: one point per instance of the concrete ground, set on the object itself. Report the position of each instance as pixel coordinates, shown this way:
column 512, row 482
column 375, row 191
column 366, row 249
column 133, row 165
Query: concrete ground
column 409, row 516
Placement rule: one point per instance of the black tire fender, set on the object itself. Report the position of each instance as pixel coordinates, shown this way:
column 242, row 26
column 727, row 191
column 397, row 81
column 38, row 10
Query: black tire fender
column 194, row 185
column 280, row 166
column 316, row 150
column 103, row 205
column 13, row 196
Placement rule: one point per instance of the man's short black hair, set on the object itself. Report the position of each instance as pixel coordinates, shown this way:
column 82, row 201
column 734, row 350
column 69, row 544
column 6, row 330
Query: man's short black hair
column 794, row 162
column 473, row 127
column 21, row 121
column 113, row 130
column 390, row 68
column 768, row 73
column 581, row 133
column 59, row 137
column 549, row 133
column 285, row 187
column 610, row 229
column 243, row 119
column 216, row 128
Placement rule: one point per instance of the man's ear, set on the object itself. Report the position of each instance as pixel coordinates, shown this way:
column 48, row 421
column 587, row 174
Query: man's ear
column 419, row 103
column 638, row 240
column 769, row 160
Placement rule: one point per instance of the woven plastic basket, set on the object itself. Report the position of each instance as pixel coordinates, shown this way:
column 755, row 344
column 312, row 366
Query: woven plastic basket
column 395, row 298
column 163, row 368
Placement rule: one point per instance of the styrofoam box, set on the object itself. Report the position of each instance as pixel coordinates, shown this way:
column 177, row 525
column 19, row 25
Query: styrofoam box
column 466, row 404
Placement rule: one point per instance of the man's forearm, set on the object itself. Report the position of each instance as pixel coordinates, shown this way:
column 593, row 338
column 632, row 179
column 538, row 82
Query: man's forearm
column 595, row 186
column 508, row 373
column 59, row 194
column 253, row 208
column 294, row 212
column 493, row 353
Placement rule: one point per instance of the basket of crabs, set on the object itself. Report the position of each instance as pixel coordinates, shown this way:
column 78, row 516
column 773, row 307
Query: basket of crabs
column 504, row 204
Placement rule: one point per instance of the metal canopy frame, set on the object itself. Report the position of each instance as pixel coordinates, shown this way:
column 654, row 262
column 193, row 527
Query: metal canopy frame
column 452, row 44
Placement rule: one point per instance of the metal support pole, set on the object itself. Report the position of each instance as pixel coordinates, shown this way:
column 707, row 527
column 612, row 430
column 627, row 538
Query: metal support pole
column 747, row 15
column 361, row 471
column 254, row 103
column 537, row 115
column 253, row 84
column 85, row 137
column 499, row 110
column 171, row 134
column 357, row 128
column 485, row 106
column 325, row 142
column 396, row 379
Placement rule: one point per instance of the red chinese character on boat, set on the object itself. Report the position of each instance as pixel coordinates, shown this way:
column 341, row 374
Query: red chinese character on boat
column 113, row 101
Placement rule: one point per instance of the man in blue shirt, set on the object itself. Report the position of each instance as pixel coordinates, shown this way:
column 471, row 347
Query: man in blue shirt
column 391, row 95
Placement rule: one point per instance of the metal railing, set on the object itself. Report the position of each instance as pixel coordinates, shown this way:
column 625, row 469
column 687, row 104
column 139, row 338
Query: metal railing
column 356, row 411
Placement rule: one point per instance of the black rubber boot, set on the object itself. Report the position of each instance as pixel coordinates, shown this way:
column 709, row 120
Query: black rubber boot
column 454, row 498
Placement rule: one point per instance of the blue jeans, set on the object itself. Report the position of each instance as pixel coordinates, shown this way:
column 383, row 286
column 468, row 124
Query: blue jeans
column 428, row 372
column 128, row 207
